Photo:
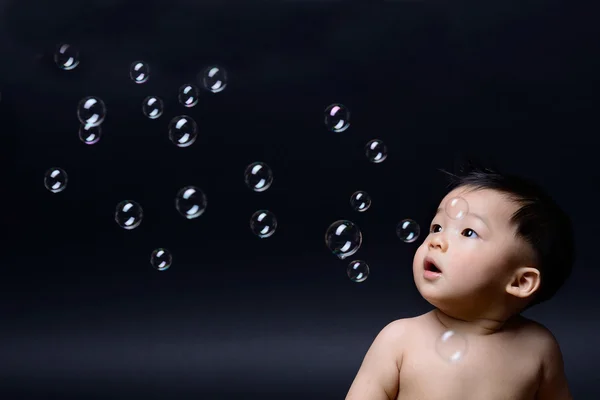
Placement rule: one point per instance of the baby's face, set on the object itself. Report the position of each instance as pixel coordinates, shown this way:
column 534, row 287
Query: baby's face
column 475, row 255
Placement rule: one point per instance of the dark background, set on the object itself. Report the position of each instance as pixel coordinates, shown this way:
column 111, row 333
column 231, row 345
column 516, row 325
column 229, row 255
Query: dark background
column 83, row 314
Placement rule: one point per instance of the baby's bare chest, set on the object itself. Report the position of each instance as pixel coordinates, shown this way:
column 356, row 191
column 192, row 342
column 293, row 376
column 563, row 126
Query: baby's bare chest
column 492, row 370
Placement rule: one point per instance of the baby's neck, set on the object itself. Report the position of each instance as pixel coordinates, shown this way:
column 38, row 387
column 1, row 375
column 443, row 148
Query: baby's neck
column 474, row 326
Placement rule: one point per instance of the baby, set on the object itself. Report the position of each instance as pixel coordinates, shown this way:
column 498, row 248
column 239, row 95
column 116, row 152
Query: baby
column 513, row 249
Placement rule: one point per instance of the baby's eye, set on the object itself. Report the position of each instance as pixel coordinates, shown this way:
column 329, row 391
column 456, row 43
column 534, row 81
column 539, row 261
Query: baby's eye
column 435, row 228
column 469, row 233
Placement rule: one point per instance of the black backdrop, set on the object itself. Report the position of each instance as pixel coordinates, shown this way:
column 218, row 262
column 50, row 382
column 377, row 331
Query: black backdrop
column 83, row 313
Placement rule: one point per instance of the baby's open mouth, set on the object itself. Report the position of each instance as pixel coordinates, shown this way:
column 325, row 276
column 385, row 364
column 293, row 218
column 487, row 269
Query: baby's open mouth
column 429, row 266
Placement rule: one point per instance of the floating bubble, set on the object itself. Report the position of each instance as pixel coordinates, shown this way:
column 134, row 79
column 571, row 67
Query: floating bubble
column 258, row 176
column 358, row 271
column 337, row 118
column 90, row 134
column 152, row 107
column 91, row 111
column 190, row 202
column 376, row 151
column 408, row 230
column 214, row 79
column 451, row 346
column 360, row 201
column 55, row 180
column 183, row 131
column 457, row 208
column 139, row 72
column 263, row 224
column 188, row 95
column 66, row 57
column 161, row 259
column 129, row 214
column 343, row 238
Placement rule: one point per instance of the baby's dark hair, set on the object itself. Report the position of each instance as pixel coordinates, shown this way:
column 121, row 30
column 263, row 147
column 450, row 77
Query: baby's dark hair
column 539, row 221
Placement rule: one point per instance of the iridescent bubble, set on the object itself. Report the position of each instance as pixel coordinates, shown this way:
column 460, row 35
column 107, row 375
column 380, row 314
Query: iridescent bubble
column 161, row 259
column 190, row 202
column 263, row 224
column 152, row 107
column 258, row 176
column 360, row 201
column 90, row 134
column 337, row 118
column 358, row 271
column 214, row 79
column 129, row 214
column 408, row 230
column 451, row 346
column 188, row 95
column 55, row 180
column 376, row 151
column 343, row 238
column 457, row 208
column 183, row 131
column 66, row 57
column 139, row 72
column 91, row 111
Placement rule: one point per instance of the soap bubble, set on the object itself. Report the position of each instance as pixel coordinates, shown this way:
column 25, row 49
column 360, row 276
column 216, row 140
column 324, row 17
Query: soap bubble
column 152, row 107
column 358, row 271
column 337, row 118
column 451, row 346
column 408, row 230
column 258, row 176
column 139, row 72
column 457, row 208
column 214, row 79
column 360, row 201
column 91, row 111
column 263, row 223
column 190, row 202
column 343, row 238
column 90, row 134
column 161, row 259
column 55, row 180
column 183, row 131
column 188, row 95
column 129, row 214
column 376, row 151
column 66, row 57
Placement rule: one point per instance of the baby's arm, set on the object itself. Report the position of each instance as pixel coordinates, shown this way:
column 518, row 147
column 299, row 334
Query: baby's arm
column 553, row 383
column 378, row 376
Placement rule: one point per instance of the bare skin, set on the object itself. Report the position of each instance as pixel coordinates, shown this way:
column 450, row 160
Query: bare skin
column 486, row 275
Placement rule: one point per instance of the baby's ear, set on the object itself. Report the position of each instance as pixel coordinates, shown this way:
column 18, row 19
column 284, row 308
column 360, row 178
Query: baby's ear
column 525, row 282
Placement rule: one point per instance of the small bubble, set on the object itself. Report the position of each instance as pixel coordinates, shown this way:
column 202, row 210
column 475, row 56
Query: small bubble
column 90, row 134
column 66, row 57
column 190, row 202
column 408, row 230
column 188, row 95
column 360, row 201
column 183, row 131
column 337, row 118
column 129, row 214
column 343, row 238
column 152, row 107
column 457, row 208
column 91, row 111
column 214, row 79
column 376, row 151
column 358, row 271
column 55, row 180
column 263, row 224
column 451, row 346
column 161, row 259
column 258, row 176
column 139, row 72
